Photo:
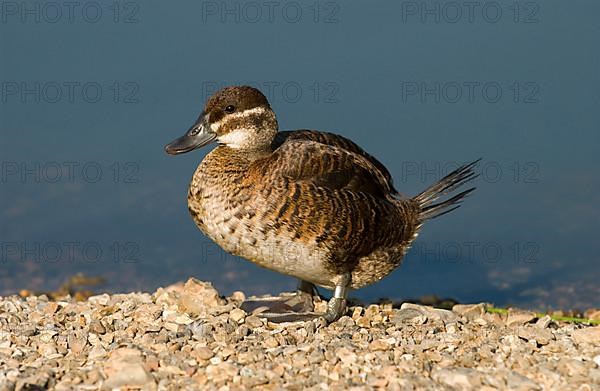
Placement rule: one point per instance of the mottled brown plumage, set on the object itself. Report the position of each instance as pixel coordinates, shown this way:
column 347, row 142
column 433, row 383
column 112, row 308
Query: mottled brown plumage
column 308, row 204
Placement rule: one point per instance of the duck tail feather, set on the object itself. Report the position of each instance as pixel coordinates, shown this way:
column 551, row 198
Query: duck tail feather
column 430, row 209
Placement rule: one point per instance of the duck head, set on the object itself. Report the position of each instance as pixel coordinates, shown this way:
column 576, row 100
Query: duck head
column 239, row 117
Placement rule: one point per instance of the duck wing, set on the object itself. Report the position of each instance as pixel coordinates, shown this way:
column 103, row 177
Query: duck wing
column 337, row 141
column 334, row 197
column 324, row 165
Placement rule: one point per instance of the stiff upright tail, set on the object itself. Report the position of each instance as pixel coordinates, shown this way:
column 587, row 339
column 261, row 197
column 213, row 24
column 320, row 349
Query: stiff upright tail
column 447, row 184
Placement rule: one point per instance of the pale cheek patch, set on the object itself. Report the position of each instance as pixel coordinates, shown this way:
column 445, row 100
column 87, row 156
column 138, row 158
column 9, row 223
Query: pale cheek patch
column 247, row 113
column 236, row 138
column 244, row 114
column 239, row 137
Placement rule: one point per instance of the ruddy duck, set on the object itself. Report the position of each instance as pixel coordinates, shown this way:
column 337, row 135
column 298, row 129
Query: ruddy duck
column 308, row 204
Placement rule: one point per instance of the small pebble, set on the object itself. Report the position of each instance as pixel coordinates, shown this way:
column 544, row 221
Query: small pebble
column 96, row 327
column 237, row 315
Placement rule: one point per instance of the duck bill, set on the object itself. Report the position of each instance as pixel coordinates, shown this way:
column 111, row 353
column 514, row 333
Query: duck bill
column 197, row 136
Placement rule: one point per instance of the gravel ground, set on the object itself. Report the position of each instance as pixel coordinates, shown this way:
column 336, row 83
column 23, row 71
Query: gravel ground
column 188, row 337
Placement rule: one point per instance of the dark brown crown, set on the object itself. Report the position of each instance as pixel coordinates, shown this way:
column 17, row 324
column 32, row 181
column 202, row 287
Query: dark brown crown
column 240, row 97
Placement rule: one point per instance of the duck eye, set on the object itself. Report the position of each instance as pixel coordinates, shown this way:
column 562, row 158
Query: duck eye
column 229, row 109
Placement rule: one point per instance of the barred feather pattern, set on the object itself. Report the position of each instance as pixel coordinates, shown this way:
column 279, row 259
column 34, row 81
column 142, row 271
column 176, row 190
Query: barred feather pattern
column 313, row 206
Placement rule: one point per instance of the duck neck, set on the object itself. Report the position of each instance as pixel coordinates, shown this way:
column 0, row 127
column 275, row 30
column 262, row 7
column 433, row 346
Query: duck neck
column 263, row 129
column 259, row 145
column 245, row 156
column 228, row 161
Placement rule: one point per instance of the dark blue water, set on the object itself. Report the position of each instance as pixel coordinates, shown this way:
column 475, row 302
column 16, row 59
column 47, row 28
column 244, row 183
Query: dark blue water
column 90, row 95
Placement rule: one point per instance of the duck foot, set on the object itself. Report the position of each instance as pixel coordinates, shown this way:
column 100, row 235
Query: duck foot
column 336, row 307
column 290, row 316
column 286, row 302
column 300, row 301
column 299, row 306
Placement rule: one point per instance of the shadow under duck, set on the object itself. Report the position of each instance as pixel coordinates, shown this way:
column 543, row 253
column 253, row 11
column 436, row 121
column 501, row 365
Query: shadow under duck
column 308, row 204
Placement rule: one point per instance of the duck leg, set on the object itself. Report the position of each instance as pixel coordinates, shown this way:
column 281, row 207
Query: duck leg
column 307, row 287
column 336, row 307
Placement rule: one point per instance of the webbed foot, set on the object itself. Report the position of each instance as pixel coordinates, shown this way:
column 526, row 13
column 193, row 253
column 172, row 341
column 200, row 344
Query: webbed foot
column 297, row 302
column 336, row 308
column 299, row 306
